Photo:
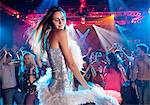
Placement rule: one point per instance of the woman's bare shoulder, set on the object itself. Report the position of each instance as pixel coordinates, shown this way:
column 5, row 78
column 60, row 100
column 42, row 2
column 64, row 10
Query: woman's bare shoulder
column 58, row 31
column 59, row 34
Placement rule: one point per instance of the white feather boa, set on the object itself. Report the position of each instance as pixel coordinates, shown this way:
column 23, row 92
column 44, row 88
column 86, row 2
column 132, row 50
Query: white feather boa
column 76, row 53
column 96, row 95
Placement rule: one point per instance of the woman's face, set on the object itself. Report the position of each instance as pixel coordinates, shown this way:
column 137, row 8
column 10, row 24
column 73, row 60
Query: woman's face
column 27, row 60
column 59, row 20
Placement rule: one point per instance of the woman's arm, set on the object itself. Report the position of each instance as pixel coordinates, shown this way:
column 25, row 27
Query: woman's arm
column 63, row 43
column 93, row 71
column 38, row 60
column 122, row 71
column 126, row 55
column 88, row 68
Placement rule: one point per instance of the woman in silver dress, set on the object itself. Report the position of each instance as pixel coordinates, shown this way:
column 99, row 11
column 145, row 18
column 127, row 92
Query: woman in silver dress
column 53, row 88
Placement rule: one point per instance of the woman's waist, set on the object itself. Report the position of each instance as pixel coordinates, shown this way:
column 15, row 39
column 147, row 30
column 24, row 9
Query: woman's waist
column 59, row 74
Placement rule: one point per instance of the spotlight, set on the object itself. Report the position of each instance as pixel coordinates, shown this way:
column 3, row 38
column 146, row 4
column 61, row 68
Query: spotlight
column 149, row 10
column 82, row 20
column 112, row 15
column 17, row 16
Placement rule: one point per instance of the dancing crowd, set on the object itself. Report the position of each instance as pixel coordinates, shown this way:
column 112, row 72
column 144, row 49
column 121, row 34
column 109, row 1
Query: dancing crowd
column 121, row 75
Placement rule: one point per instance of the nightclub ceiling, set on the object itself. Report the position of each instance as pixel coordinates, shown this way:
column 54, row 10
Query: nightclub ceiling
column 125, row 12
column 34, row 9
column 26, row 5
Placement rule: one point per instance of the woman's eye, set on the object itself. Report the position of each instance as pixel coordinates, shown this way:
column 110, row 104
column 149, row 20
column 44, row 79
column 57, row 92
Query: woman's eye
column 56, row 20
column 59, row 19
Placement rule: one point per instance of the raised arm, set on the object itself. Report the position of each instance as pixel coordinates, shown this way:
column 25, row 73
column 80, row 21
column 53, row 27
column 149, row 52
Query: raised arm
column 63, row 43
column 3, row 57
column 126, row 55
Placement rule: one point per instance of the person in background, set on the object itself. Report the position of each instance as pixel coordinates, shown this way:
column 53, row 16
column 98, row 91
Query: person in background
column 141, row 74
column 29, row 76
column 113, row 71
column 99, row 78
column 10, row 91
column 114, row 75
column 99, row 68
column 1, row 57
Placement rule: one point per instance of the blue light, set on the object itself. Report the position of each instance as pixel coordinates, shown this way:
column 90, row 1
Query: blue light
column 47, row 4
column 149, row 10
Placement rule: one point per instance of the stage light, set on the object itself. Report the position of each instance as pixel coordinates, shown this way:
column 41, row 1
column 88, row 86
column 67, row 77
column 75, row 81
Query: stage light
column 17, row 16
column 149, row 10
column 106, row 37
column 82, row 20
column 112, row 15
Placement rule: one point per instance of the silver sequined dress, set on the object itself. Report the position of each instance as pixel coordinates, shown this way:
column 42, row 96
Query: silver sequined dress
column 53, row 87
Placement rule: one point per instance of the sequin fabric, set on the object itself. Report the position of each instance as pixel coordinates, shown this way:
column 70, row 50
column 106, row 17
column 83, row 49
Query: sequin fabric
column 54, row 89
column 59, row 81
column 28, row 87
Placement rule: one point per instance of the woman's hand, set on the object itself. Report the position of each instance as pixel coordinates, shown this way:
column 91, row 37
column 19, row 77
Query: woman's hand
column 88, row 87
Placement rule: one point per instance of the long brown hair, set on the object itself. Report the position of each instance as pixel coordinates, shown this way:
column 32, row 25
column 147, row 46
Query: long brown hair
column 46, row 23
